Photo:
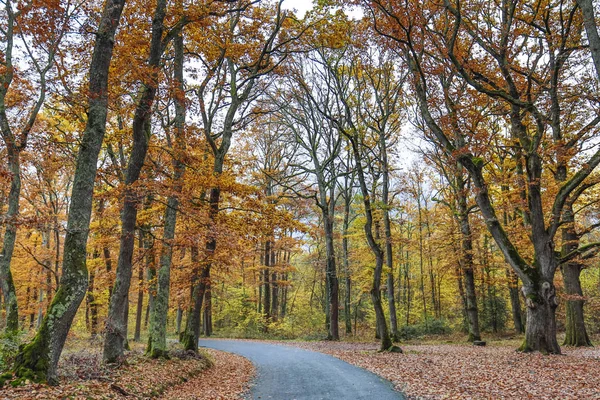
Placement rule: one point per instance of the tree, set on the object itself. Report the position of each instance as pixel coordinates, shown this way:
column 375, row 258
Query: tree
column 527, row 120
column 116, row 322
column 14, row 129
column 224, row 97
column 320, row 142
column 38, row 359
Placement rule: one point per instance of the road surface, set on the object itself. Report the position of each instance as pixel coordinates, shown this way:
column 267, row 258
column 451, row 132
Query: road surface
column 290, row 373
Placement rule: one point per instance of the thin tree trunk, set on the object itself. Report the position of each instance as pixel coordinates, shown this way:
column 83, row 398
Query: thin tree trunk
column 267, row 281
column 207, row 320
column 515, row 300
column 140, row 304
column 466, row 258
column 346, row 258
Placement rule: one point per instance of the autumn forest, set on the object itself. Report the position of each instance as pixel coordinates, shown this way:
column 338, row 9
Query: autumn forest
column 369, row 170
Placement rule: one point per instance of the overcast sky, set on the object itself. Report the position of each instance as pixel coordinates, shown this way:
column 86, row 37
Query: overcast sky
column 301, row 5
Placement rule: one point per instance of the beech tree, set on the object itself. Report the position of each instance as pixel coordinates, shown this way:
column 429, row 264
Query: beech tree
column 40, row 48
column 224, row 96
column 527, row 119
column 116, row 322
column 38, row 359
column 319, row 142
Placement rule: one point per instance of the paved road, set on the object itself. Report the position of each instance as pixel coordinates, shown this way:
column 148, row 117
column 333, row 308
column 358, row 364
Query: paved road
column 289, row 373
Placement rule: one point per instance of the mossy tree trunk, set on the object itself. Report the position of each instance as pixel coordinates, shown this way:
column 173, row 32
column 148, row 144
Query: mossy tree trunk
column 576, row 333
column 157, row 345
column 540, row 329
column 515, row 300
column 191, row 335
column 38, row 360
column 8, row 245
column 466, row 261
column 116, row 322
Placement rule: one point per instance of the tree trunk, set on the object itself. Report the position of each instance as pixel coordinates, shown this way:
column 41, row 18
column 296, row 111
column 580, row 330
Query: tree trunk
column 267, row 284
column 38, row 360
column 346, row 258
column 157, row 346
column 515, row 300
column 92, row 306
column 178, row 320
column 192, row 328
column 116, row 326
column 576, row 333
column 540, row 330
column 587, row 9
column 382, row 329
column 10, row 235
column 140, row 304
column 207, row 320
column 331, row 274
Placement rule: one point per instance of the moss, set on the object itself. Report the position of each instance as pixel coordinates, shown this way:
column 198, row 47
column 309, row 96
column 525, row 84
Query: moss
column 533, row 297
column 395, row 349
column 33, row 360
column 188, row 341
column 478, row 161
column 5, row 377
column 524, row 348
column 159, row 353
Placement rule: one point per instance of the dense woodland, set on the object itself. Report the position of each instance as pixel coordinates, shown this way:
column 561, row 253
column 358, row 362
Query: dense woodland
column 231, row 168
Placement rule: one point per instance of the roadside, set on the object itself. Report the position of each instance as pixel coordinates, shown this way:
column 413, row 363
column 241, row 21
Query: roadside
column 211, row 375
column 457, row 371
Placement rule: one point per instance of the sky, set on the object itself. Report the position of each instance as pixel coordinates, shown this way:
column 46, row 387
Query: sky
column 302, row 6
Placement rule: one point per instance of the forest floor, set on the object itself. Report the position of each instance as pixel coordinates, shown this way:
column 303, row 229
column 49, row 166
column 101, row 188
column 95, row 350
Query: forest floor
column 461, row 371
column 214, row 375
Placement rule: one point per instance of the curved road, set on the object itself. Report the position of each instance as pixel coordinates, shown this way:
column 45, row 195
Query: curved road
column 290, row 373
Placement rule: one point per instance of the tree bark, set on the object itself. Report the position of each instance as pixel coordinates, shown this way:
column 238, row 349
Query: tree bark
column 39, row 359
